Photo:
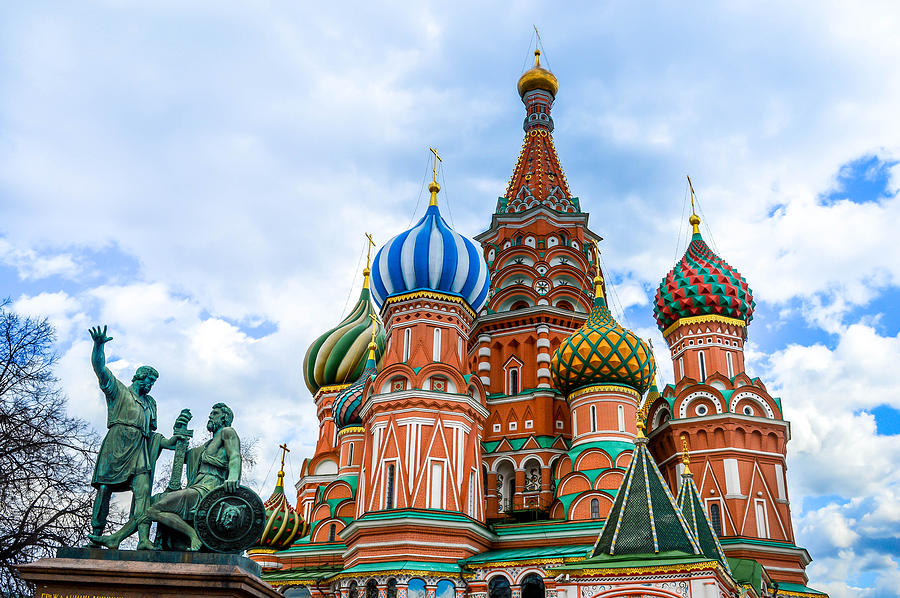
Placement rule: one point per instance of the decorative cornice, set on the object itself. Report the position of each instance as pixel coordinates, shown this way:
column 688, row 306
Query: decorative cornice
column 429, row 295
column 604, row 388
column 704, row 565
column 332, row 388
column 703, row 319
column 351, row 430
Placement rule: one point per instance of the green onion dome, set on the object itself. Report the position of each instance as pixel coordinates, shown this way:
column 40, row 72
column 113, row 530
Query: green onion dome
column 704, row 287
column 283, row 523
column 602, row 352
column 338, row 357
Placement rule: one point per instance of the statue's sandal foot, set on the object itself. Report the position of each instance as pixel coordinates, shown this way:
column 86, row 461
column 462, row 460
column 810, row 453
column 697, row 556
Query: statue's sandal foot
column 146, row 545
column 104, row 541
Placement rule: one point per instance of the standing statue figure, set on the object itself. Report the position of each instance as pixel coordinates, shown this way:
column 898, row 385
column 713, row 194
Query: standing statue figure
column 214, row 464
column 128, row 454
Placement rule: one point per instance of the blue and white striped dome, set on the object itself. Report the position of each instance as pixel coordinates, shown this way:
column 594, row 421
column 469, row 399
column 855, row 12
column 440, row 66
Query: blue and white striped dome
column 431, row 256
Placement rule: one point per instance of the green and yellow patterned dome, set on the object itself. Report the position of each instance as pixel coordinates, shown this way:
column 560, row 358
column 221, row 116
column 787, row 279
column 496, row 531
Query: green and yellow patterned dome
column 338, row 357
column 602, row 352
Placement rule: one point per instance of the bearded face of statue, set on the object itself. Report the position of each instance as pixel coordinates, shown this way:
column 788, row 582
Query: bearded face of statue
column 216, row 420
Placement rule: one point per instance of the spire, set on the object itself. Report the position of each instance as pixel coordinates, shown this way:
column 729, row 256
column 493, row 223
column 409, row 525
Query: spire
column 283, row 523
column 644, row 519
column 691, row 507
column 284, row 451
column 367, row 271
column 433, row 186
column 598, row 278
column 694, row 219
column 685, row 456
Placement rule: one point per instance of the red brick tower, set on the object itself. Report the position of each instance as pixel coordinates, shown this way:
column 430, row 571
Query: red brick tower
column 734, row 430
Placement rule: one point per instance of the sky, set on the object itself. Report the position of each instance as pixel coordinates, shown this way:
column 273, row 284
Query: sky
column 199, row 176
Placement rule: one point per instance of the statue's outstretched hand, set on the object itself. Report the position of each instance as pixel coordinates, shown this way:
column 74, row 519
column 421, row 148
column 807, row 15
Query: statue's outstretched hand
column 182, row 420
column 231, row 486
column 99, row 336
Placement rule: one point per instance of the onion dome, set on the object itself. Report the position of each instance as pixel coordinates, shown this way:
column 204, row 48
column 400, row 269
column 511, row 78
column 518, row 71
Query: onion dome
column 537, row 77
column 691, row 507
column 703, row 286
column 602, row 352
column 283, row 523
column 431, row 256
column 348, row 403
column 339, row 355
column 644, row 518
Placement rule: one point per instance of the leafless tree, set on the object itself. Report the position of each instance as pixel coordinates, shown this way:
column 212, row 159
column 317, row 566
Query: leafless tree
column 46, row 456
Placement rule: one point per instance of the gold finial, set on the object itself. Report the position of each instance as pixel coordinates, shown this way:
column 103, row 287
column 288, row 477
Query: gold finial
column 640, row 416
column 694, row 219
column 537, row 50
column 367, row 271
column 374, row 332
column 284, row 451
column 433, row 186
column 685, row 456
column 598, row 278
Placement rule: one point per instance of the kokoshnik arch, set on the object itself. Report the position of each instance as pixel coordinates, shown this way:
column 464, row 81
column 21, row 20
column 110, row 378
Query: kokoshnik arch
column 488, row 429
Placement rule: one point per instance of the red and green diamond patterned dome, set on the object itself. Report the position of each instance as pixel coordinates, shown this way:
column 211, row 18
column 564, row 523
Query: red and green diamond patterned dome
column 702, row 284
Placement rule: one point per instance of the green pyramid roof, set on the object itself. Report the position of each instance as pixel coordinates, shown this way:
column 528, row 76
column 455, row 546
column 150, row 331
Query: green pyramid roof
column 644, row 518
column 695, row 515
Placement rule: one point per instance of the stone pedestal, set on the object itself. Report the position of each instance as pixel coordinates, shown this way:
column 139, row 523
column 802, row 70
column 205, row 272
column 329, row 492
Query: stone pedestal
column 98, row 573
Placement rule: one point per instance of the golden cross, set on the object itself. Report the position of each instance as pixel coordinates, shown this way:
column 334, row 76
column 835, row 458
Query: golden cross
column 537, row 47
column 369, row 249
column 597, row 258
column 374, row 326
column 436, row 159
column 284, row 451
column 691, row 185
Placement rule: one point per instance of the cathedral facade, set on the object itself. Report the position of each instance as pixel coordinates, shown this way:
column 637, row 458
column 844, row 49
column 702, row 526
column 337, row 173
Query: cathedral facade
column 489, row 430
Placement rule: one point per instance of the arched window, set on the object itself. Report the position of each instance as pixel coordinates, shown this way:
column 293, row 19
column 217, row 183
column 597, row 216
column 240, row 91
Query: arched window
column 332, row 530
column 518, row 240
column 595, row 508
column 565, row 305
column 513, row 381
column 354, row 589
column 533, row 586
column 702, row 359
column 621, row 415
column 518, row 305
column 416, row 588
column 593, row 418
column 297, row 592
column 499, row 588
column 371, row 589
column 681, row 367
column 392, row 588
column 436, row 353
column 445, row 589
column 350, row 454
column 715, row 517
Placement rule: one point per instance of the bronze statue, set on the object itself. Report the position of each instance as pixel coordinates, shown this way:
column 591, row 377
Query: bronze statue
column 131, row 446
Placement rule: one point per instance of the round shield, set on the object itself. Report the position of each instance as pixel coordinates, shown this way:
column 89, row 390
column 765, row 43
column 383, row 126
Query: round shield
column 230, row 522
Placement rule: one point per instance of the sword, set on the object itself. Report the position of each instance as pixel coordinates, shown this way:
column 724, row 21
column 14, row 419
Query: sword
column 181, row 445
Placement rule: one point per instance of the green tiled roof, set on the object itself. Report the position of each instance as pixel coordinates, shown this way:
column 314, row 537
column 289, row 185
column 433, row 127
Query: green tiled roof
column 311, row 574
column 549, row 527
column 644, row 518
column 613, row 448
column 747, row 572
column 796, row 588
column 695, row 515
column 523, row 554
column 437, row 514
column 405, row 566
column 518, row 443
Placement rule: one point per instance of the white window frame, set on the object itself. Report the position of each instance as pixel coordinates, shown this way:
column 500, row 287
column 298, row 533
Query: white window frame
column 729, row 363
column 762, row 517
column 701, row 358
column 621, row 415
column 732, row 477
column 436, row 349
column 681, row 367
column 529, row 424
column 593, row 414
column 513, row 426
column 436, row 484
column 497, row 427
column 407, row 341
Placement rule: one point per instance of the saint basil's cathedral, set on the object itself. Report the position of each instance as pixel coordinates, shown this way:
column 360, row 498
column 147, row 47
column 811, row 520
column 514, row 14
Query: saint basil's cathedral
column 489, row 430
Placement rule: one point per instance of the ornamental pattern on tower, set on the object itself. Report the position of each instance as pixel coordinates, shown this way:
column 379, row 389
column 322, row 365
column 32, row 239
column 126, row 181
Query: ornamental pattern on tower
column 702, row 284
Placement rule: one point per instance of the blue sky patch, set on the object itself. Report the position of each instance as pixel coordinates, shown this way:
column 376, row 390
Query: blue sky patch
column 863, row 180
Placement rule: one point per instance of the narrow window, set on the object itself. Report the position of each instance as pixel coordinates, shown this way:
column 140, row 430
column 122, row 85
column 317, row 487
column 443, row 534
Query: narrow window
column 729, row 363
column 681, row 367
column 459, row 347
column 472, row 494
column 779, row 481
column 715, row 517
column 350, row 454
column 702, row 358
column 407, row 338
column 762, row 522
column 389, row 488
column 732, row 477
column 332, row 530
column 595, row 508
column 513, row 381
column 436, row 354
column 621, row 411
column 593, row 418
column 437, row 485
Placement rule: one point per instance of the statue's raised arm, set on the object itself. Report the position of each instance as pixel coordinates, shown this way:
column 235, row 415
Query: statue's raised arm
column 98, row 356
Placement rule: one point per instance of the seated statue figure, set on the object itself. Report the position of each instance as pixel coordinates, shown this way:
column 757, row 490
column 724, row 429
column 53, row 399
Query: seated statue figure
column 217, row 462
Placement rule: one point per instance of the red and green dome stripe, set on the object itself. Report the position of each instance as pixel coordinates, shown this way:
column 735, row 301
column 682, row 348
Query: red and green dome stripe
column 702, row 284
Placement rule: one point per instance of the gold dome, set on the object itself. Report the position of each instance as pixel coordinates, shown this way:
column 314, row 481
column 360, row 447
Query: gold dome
column 538, row 78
